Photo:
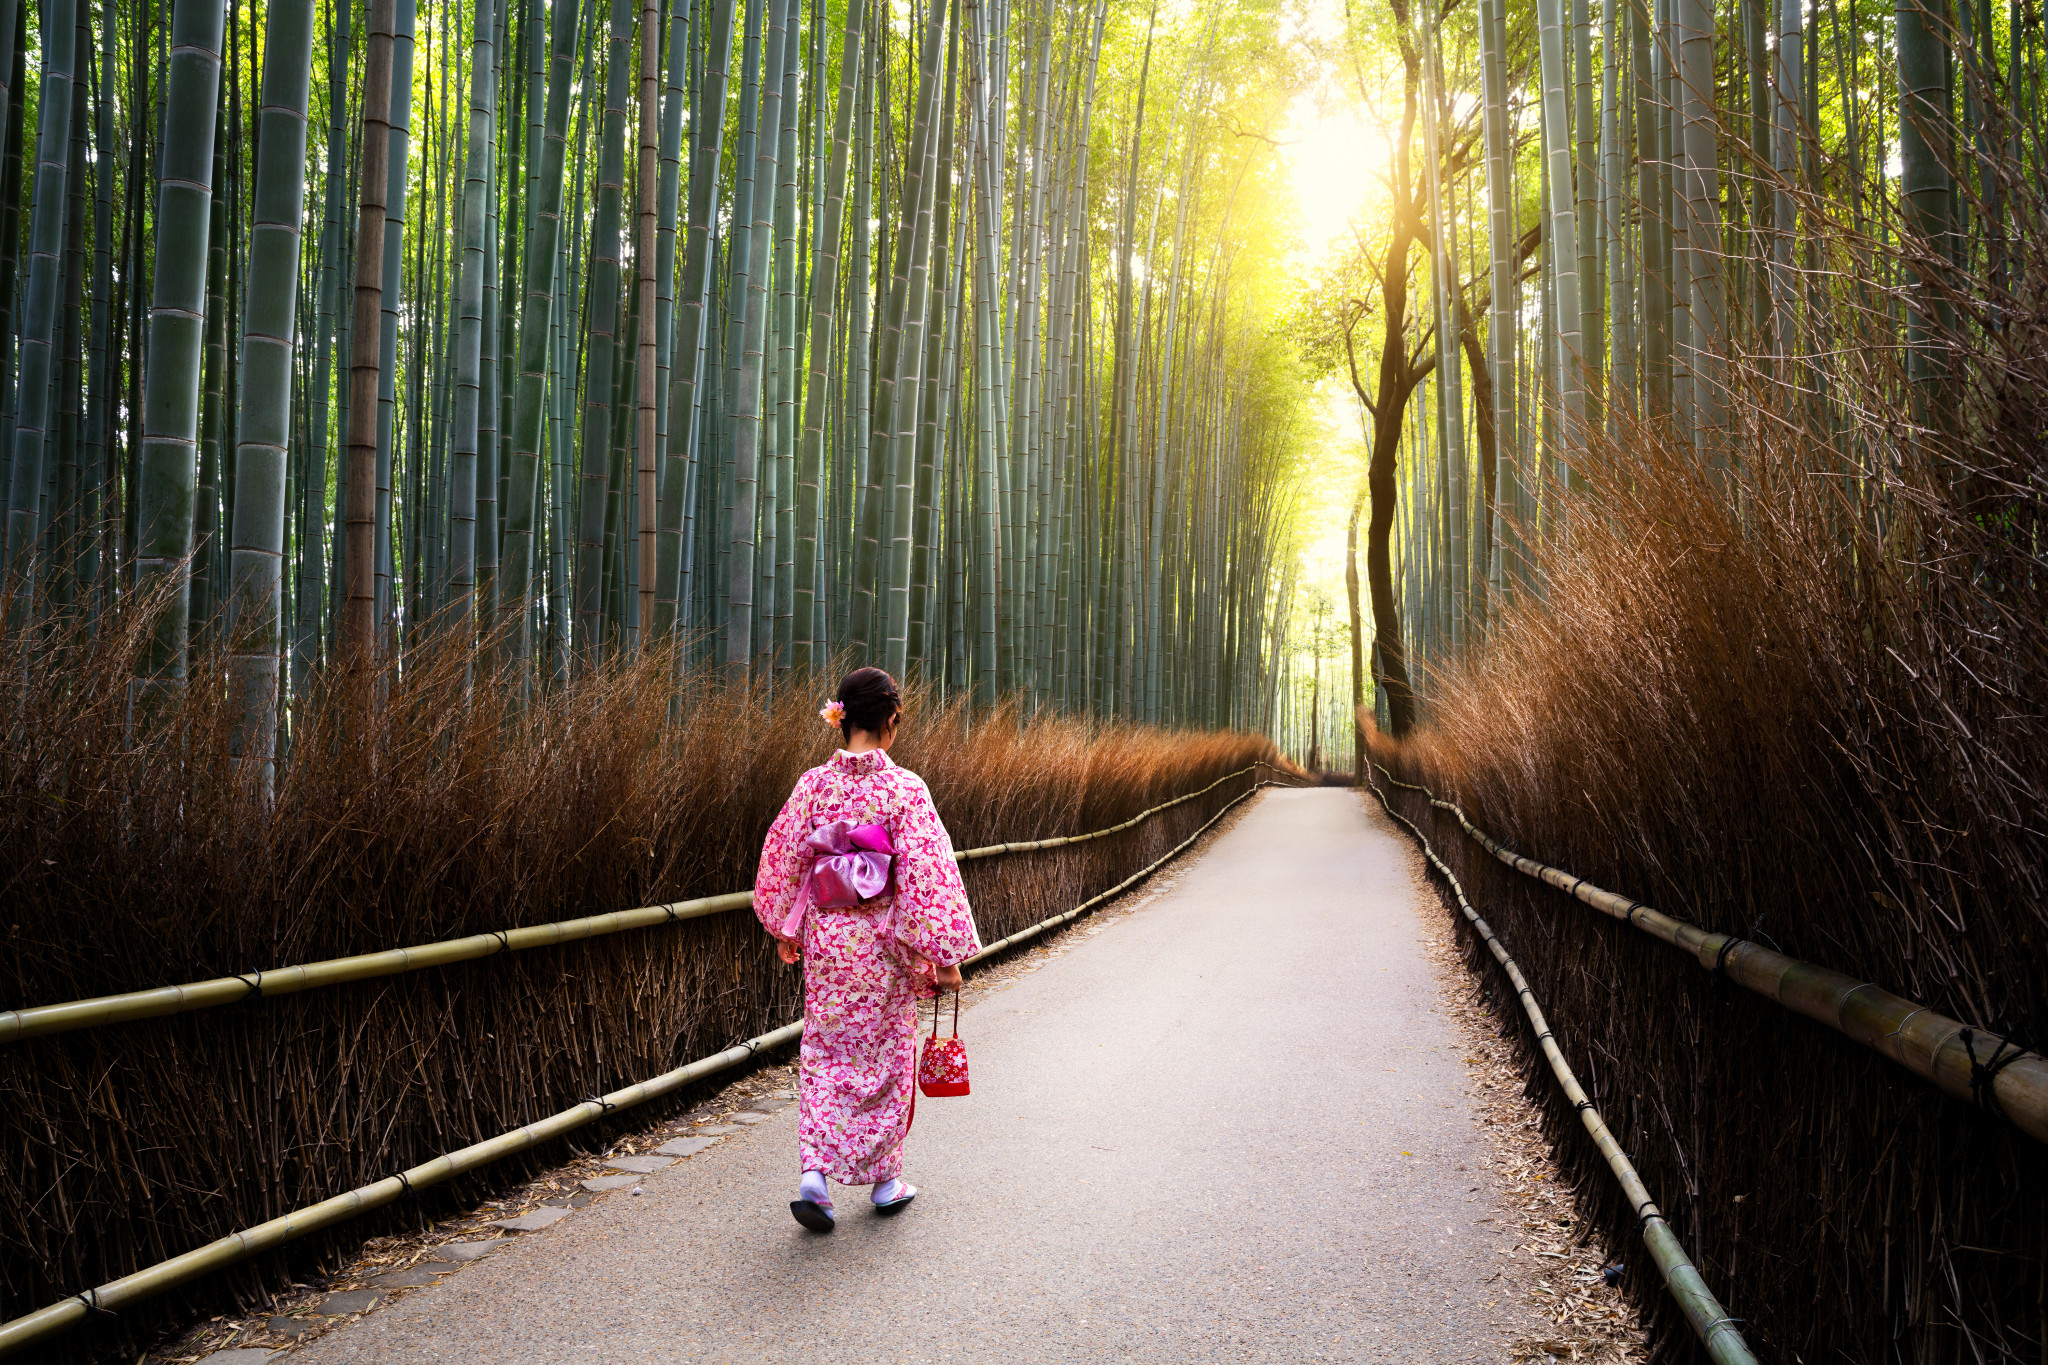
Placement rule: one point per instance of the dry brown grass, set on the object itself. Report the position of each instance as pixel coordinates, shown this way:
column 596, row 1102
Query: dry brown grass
column 125, row 865
column 1810, row 709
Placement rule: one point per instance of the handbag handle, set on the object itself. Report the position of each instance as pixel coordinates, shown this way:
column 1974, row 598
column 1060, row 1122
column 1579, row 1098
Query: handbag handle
column 956, row 1014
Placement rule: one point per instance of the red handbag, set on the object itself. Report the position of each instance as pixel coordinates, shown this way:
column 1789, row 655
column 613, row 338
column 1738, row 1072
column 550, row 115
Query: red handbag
column 942, row 1070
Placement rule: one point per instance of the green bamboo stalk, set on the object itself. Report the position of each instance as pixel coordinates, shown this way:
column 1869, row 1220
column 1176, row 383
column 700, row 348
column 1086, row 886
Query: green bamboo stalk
column 647, row 494
column 1562, row 318
column 904, row 336
column 1697, row 170
column 780, row 606
column 1925, row 190
column 41, row 313
column 206, row 519
column 1502, row 264
column 745, row 401
column 256, row 582
column 543, row 237
column 601, row 363
column 685, row 376
column 94, row 557
column 386, row 573
column 471, row 278
column 805, row 629
column 167, row 459
column 1592, row 345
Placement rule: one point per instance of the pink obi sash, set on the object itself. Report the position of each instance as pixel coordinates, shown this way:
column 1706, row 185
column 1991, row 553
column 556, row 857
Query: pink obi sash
column 851, row 867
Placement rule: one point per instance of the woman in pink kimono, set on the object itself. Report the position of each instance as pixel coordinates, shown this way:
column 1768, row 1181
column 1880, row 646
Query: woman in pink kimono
column 858, row 882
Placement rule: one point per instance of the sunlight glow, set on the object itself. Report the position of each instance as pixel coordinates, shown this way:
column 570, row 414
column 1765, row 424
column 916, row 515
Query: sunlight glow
column 1334, row 157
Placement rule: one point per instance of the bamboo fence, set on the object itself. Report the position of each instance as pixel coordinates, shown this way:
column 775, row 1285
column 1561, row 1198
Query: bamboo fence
column 39, row 1020
column 46, row 1322
column 1715, row 1329
column 1967, row 1062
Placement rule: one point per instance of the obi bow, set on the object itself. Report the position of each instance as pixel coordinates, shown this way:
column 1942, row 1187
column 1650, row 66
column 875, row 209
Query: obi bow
column 851, row 866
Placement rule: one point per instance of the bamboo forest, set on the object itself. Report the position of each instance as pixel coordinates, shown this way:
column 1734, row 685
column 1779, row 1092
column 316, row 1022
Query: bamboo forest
column 450, row 452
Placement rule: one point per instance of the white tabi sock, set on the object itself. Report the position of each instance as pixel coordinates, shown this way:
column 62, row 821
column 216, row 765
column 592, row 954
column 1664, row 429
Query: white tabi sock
column 812, row 1187
column 889, row 1189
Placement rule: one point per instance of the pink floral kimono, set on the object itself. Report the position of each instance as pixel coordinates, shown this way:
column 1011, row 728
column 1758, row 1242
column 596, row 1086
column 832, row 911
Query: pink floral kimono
column 865, row 966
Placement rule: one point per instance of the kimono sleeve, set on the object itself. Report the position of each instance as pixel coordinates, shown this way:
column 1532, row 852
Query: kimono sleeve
column 933, row 918
column 782, row 859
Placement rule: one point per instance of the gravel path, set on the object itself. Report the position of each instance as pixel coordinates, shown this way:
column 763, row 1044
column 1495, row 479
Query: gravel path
column 1231, row 1127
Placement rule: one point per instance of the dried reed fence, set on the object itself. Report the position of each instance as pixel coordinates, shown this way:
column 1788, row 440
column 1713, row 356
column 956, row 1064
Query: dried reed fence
column 1806, row 703
column 129, row 865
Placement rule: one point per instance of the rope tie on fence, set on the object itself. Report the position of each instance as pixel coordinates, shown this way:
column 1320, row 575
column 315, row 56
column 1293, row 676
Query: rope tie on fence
column 604, row 1106
column 504, row 940
column 1984, row 1074
column 91, row 1299
column 1721, row 958
column 405, row 1191
column 255, row 983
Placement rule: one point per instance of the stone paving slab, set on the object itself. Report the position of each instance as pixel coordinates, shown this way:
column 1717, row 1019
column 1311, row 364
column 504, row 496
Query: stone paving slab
column 686, row 1146
column 353, row 1301
column 239, row 1355
column 640, row 1165
column 1231, row 1127
column 599, row 1184
column 408, row 1279
column 469, row 1251
column 539, row 1220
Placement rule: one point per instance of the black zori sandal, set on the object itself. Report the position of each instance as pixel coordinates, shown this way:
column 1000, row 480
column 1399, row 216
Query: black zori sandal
column 896, row 1205
column 813, row 1215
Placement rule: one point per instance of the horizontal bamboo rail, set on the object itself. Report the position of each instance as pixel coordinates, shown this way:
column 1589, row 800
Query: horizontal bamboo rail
column 128, row 1006
column 153, row 1280
column 1710, row 1322
column 1965, row 1061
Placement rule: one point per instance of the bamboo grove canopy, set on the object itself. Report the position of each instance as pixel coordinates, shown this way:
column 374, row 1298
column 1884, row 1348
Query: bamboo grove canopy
column 557, row 330
column 1801, row 234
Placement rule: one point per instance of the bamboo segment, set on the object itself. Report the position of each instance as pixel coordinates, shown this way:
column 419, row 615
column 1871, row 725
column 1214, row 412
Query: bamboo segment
column 1710, row 1322
column 38, row 1020
column 1966, row 1062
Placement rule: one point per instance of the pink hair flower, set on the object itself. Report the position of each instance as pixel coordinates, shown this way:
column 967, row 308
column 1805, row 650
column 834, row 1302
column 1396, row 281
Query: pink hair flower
column 833, row 712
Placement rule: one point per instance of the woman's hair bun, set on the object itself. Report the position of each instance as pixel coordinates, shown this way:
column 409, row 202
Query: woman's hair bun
column 871, row 699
